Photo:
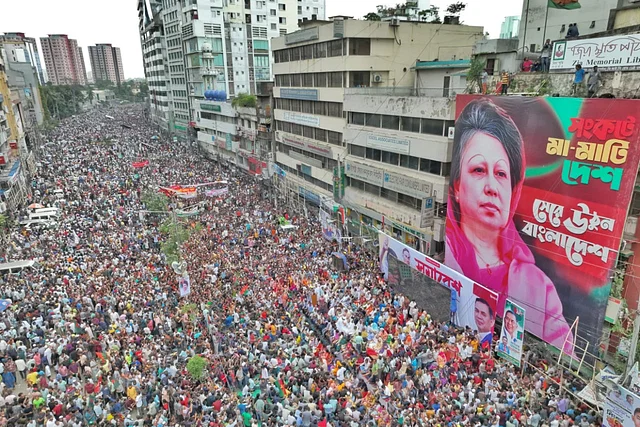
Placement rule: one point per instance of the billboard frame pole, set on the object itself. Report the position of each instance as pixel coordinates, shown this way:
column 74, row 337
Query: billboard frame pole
column 574, row 326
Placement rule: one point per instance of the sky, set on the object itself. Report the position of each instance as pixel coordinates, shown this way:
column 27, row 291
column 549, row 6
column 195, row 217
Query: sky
column 116, row 21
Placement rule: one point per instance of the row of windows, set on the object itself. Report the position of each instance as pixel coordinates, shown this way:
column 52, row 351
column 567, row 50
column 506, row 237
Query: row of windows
column 385, row 193
column 180, row 93
column 171, row 29
column 160, row 73
column 178, row 81
column 175, row 56
column 318, row 134
column 310, row 179
column 172, row 16
column 161, row 103
column 184, row 117
column 176, row 68
column 153, row 83
column 410, row 162
column 173, row 42
column 153, row 52
column 154, row 63
column 322, row 108
column 317, row 50
column 217, row 117
column 406, row 124
column 181, row 106
column 332, row 79
column 327, row 163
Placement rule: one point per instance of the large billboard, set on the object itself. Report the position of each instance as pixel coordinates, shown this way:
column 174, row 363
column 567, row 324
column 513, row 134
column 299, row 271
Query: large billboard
column 471, row 304
column 537, row 203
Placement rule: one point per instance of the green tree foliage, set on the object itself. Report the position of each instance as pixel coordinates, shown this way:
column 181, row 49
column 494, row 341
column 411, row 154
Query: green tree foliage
column 176, row 234
column 104, row 84
column 196, row 366
column 244, row 100
column 155, row 201
column 372, row 16
column 62, row 101
column 474, row 75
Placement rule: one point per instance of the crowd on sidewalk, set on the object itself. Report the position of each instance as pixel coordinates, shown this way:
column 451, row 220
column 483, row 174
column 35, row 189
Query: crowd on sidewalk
column 97, row 333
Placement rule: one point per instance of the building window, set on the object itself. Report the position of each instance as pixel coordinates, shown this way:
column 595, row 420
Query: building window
column 432, row 126
column 390, row 122
column 410, row 162
column 320, row 50
column 360, row 79
column 410, row 124
column 357, row 119
column 356, row 150
column 334, row 138
column 430, row 166
column 335, row 79
column 372, row 120
column 321, row 80
column 307, row 80
column 373, row 154
column 360, row 47
column 334, row 48
column 390, row 158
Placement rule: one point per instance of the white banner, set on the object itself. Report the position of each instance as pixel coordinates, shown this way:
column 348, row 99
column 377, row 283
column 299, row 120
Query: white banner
column 607, row 52
column 184, row 285
column 475, row 305
column 330, row 229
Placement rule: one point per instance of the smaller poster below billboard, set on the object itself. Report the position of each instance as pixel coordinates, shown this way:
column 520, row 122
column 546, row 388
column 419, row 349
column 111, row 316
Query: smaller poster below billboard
column 621, row 408
column 472, row 305
column 512, row 335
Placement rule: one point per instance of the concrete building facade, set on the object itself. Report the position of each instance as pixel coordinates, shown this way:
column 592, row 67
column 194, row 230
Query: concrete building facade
column 63, row 60
column 20, row 41
column 550, row 19
column 106, row 63
column 154, row 53
column 349, row 97
column 221, row 45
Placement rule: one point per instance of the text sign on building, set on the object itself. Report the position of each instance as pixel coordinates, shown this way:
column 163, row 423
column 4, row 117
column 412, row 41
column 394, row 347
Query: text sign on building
column 304, row 94
column 305, row 145
column 609, row 52
column 302, row 36
column 405, row 185
column 364, row 173
column 428, row 212
column 209, row 107
column 301, row 119
column 388, row 143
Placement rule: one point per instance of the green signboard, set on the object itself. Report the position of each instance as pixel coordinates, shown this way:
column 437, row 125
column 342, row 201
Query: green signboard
column 180, row 127
column 209, row 107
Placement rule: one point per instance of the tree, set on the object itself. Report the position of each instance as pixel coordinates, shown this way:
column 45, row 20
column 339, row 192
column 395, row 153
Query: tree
column 196, row 366
column 104, row 84
column 372, row 16
column 244, row 100
column 154, row 201
column 431, row 15
column 453, row 13
column 474, row 75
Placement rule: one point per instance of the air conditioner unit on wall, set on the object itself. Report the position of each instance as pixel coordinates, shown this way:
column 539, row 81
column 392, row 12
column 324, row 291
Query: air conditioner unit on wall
column 395, row 22
column 377, row 78
column 451, row 132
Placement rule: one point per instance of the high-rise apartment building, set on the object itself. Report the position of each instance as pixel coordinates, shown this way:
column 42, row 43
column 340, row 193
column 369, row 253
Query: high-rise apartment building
column 509, row 27
column 220, row 45
column 363, row 112
column 106, row 63
column 12, row 41
column 154, row 59
column 63, row 60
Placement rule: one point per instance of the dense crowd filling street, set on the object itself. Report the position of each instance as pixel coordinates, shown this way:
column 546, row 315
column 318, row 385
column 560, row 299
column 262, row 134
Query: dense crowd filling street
column 98, row 334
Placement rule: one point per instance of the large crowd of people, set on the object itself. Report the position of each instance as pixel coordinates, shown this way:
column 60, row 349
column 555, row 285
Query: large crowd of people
column 97, row 333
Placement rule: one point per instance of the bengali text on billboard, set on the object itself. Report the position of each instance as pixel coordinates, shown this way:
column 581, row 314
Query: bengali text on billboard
column 473, row 305
column 537, row 204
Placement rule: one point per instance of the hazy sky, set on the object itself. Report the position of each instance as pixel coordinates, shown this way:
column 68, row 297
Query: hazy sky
column 116, row 21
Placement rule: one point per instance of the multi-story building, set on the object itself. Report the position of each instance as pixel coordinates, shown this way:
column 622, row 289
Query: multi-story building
column 509, row 27
column 63, row 60
column 550, row 19
column 106, row 63
column 23, row 77
column 16, row 161
column 348, row 97
column 20, row 41
column 222, row 45
column 154, row 54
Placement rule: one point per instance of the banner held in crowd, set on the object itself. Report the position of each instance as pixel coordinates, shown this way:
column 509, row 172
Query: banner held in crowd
column 512, row 334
